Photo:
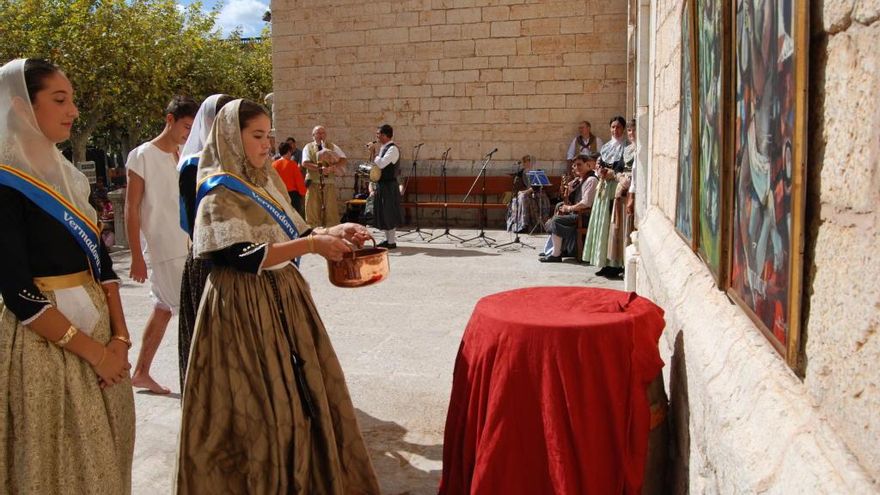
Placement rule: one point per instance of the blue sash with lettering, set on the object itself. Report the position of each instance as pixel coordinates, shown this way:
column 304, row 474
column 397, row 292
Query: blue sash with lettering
column 83, row 229
column 192, row 161
column 234, row 183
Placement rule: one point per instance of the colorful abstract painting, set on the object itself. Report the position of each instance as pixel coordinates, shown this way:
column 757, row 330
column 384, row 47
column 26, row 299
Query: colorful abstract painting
column 710, row 58
column 763, row 232
column 684, row 200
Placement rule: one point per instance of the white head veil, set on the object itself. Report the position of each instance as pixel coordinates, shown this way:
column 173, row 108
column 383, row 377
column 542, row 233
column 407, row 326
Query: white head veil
column 198, row 134
column 24, row 147
column 225, row 217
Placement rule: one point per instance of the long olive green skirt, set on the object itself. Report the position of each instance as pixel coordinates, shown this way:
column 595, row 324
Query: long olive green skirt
column 60, row 433
column 596, row 242
column 245, row 429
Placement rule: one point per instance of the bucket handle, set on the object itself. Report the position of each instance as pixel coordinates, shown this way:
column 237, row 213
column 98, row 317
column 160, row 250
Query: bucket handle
column 354, row 251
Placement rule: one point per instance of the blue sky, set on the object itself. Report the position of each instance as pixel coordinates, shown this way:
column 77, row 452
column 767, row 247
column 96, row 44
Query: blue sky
column 248, row 14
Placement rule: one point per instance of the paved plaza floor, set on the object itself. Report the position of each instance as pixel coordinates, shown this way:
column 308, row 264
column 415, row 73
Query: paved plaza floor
column 396, row 341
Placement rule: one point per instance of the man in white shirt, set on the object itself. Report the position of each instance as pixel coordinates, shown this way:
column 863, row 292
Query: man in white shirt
column 153, row 226
column 322, row 161
column 386, row 209
column 585, row 143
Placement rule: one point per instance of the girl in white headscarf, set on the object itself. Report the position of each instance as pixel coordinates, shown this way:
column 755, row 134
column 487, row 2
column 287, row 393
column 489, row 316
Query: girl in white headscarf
column 195, row 271
column 265, row 405
column 66, row 404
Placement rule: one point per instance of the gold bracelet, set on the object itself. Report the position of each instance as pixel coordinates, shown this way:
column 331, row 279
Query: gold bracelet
column 71, row 331
column 311, row 243
column 124, row 340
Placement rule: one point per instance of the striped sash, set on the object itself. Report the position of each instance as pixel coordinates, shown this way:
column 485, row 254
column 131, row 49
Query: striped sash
column 83, row 229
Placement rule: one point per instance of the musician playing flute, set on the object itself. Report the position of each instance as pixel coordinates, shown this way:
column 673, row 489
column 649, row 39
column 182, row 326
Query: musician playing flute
column 322, row 160
column 386, row 210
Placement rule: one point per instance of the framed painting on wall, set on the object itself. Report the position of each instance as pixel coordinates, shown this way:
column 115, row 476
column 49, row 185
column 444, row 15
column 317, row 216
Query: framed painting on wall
column 770, row 78
column 711, row 91
column 685, row 206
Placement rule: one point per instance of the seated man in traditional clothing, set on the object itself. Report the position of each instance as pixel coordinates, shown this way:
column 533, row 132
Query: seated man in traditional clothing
column 578, row 202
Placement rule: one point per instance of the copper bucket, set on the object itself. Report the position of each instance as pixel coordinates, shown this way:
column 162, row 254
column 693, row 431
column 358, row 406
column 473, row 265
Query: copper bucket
column 359, row 268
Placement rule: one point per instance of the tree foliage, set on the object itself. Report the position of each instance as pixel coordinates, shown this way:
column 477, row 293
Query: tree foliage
column 127, row 58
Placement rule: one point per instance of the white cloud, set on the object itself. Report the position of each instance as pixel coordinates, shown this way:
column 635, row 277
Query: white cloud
column 246, row 14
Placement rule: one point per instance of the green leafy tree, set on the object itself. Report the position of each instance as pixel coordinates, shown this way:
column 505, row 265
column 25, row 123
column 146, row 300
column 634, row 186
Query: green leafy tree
column 126, row 58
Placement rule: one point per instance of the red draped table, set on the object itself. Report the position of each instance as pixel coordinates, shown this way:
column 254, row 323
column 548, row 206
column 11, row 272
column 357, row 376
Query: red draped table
column 549, row 394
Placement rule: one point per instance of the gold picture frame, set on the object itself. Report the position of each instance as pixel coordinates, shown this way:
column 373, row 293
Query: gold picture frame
column 768, row 157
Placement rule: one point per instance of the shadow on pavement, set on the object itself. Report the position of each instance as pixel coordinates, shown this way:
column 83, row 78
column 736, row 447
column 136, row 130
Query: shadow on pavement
column 393, row 458
column 442, row 253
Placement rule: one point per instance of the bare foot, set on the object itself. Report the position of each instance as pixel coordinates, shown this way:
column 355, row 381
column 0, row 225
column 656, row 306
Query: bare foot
column 147, row 382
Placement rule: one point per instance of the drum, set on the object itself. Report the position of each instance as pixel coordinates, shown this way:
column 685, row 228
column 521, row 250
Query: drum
column 375, row 173
column 370, row 169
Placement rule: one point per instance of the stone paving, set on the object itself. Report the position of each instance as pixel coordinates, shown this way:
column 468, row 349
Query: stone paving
column 396, row 341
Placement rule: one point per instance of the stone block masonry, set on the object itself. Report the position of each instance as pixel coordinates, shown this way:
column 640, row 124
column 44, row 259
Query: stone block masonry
column 743, row 421
column 472, row 75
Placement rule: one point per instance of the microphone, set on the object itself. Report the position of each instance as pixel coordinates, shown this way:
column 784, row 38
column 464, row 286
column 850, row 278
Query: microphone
column 491, row 152
column 370, row 144
column 418, row 145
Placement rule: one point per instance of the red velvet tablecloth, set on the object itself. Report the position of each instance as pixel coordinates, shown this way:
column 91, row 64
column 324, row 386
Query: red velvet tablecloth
column 549, row 394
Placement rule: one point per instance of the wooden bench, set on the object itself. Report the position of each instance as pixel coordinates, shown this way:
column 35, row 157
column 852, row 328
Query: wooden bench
column 430, row 192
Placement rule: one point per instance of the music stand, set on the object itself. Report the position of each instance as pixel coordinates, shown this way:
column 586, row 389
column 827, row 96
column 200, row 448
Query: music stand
column 539, row 179
column 534, row 178
column 415, row 177
column 481, row 178
column 445, row 203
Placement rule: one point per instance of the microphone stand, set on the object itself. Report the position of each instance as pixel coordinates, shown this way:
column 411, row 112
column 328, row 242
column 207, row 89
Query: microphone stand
column 445, row 204
column 516, row 239
column 415, row 177
column 481, row 177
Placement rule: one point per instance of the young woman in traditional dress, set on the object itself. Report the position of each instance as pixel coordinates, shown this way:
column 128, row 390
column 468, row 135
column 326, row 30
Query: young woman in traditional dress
column 611, row 165
column 195, row 271
column 265, row 405
column 528, row 206
column 66, row 403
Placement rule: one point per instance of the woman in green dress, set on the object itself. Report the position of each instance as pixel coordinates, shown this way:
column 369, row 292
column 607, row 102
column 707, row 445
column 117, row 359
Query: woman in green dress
column 265, row 407
column 611, row 163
